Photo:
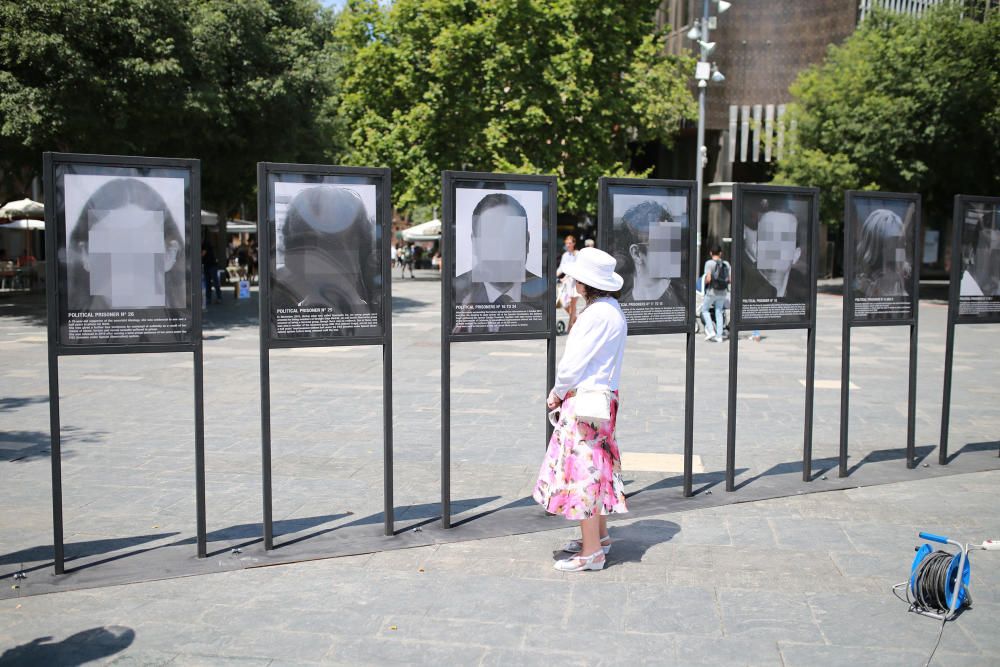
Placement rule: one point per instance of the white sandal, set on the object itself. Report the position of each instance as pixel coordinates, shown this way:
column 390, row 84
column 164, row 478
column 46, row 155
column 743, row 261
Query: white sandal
column 576, row 546
column 580, row 563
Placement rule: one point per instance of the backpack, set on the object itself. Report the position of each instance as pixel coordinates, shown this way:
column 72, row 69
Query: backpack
column 720, row 277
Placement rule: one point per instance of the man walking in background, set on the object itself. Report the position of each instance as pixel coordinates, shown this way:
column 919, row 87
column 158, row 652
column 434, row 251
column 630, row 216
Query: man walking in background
column 716, row 278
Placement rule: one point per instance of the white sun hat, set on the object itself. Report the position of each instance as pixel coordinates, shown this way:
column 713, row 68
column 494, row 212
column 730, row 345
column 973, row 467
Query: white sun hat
column 595, row 268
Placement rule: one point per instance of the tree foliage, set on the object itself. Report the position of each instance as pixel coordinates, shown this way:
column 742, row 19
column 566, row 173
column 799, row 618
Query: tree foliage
column 229, row 81
column 905, row 104
column 528, row 86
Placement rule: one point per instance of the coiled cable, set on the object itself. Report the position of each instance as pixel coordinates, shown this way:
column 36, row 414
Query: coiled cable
column 927, row 589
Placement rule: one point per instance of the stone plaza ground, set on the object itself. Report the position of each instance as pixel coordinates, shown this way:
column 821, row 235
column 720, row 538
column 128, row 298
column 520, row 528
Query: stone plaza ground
column 798, row 580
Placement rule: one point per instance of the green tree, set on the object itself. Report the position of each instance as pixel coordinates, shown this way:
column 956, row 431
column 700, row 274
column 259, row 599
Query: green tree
column 530, row 86
column 260, row 72
column 231, row 82
column 89, row 77
column 905, row 104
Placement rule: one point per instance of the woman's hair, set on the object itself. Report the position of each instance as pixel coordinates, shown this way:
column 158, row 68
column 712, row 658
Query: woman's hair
column 592, row 294
column 879, row 225
column 570, row 237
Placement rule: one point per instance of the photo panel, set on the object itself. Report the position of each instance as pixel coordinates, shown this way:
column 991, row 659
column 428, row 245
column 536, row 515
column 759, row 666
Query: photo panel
column 883, row 233
column 650, row 240
column 978, row 272
column 777, row 279
column 125, row 257
column 325, row 278
column 501, row 256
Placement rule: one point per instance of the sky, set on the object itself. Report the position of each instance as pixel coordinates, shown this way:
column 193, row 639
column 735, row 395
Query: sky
column 333, row 4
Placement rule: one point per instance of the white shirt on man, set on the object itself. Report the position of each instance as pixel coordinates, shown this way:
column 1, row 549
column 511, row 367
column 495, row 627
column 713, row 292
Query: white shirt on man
column 595, row 349
column 493, row 292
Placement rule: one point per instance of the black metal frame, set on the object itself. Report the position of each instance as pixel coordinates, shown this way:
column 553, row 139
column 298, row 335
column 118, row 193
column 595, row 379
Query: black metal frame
column 56, row 348
column 954, row 303
column 265, row 200
column 605, row 235
column 449, row 181
column 738, row 324
column 849, row 322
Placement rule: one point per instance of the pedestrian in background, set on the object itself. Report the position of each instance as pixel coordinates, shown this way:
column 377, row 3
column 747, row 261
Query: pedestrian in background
column 567, row 286
column 210, row 270
column 580, row 477
column 716, row 278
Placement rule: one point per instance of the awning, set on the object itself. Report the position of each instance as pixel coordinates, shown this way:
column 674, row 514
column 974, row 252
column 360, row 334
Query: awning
column 425, row 231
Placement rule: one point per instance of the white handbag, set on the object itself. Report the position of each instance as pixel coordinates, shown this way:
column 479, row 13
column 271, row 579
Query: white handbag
column 593, row 405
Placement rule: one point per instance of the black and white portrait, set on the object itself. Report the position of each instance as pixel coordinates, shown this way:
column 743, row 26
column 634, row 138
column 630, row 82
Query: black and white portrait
column 327, row 271
column 499, row 273
column 125, row 242
column 650, row 243
column 775, row 248
column 883, row 247
column 980, row 250
column 883, row 232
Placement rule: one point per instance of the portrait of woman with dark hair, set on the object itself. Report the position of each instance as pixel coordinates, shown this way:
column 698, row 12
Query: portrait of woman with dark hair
column 649, row 248
column 882, row 267
column 125, row 250
column 327, row 253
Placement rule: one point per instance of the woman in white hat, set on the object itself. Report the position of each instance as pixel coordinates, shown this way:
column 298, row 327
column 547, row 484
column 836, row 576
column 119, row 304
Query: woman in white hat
column 581, row 475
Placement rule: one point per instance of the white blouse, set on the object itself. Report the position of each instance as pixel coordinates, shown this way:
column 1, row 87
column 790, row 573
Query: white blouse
column 566, row 259
column 595, row 349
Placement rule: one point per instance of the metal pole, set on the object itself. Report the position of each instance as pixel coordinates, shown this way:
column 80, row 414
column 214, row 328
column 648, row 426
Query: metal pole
column 734, row 338
column 265, row 437
column 445, row 431
column 199, row 443
column 949, row 350
column 56, row 456
column 550, row 380
column 387, row 429
column 845, row 391
column 911, row 412
column 953, row 304
column 702, row 87
column 810, row 384
column 689, row 415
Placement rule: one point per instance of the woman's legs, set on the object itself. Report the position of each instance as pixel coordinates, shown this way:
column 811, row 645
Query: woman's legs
column 591, row 530
column 571, row 311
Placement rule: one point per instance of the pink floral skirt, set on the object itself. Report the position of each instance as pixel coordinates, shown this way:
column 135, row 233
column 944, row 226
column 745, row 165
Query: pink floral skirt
column 581, row 474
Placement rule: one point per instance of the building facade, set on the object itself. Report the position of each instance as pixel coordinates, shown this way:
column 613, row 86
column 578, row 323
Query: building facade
column 761, row 47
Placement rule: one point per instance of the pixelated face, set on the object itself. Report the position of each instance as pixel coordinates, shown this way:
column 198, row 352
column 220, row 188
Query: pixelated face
column 893, row 251
column 127, row 257
column 665, row 250
column 777, row 247
column 501, row 246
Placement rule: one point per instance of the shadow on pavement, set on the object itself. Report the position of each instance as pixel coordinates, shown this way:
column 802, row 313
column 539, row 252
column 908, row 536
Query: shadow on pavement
column 78, row 649
column 820, row 468
column 42, row 556
column 975, row 447
column 881, row 455
column 700, row 482
column 24, row 446
column 18, row 402
column 630, row 542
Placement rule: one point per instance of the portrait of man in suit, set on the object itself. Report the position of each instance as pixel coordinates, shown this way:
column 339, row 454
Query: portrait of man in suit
column 775, row 256
column 494, row 264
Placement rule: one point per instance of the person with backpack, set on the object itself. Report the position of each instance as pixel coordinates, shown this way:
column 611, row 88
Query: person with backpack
column 717, row 276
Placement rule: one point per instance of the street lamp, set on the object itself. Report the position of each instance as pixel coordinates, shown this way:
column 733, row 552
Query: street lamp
column 704, row 72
